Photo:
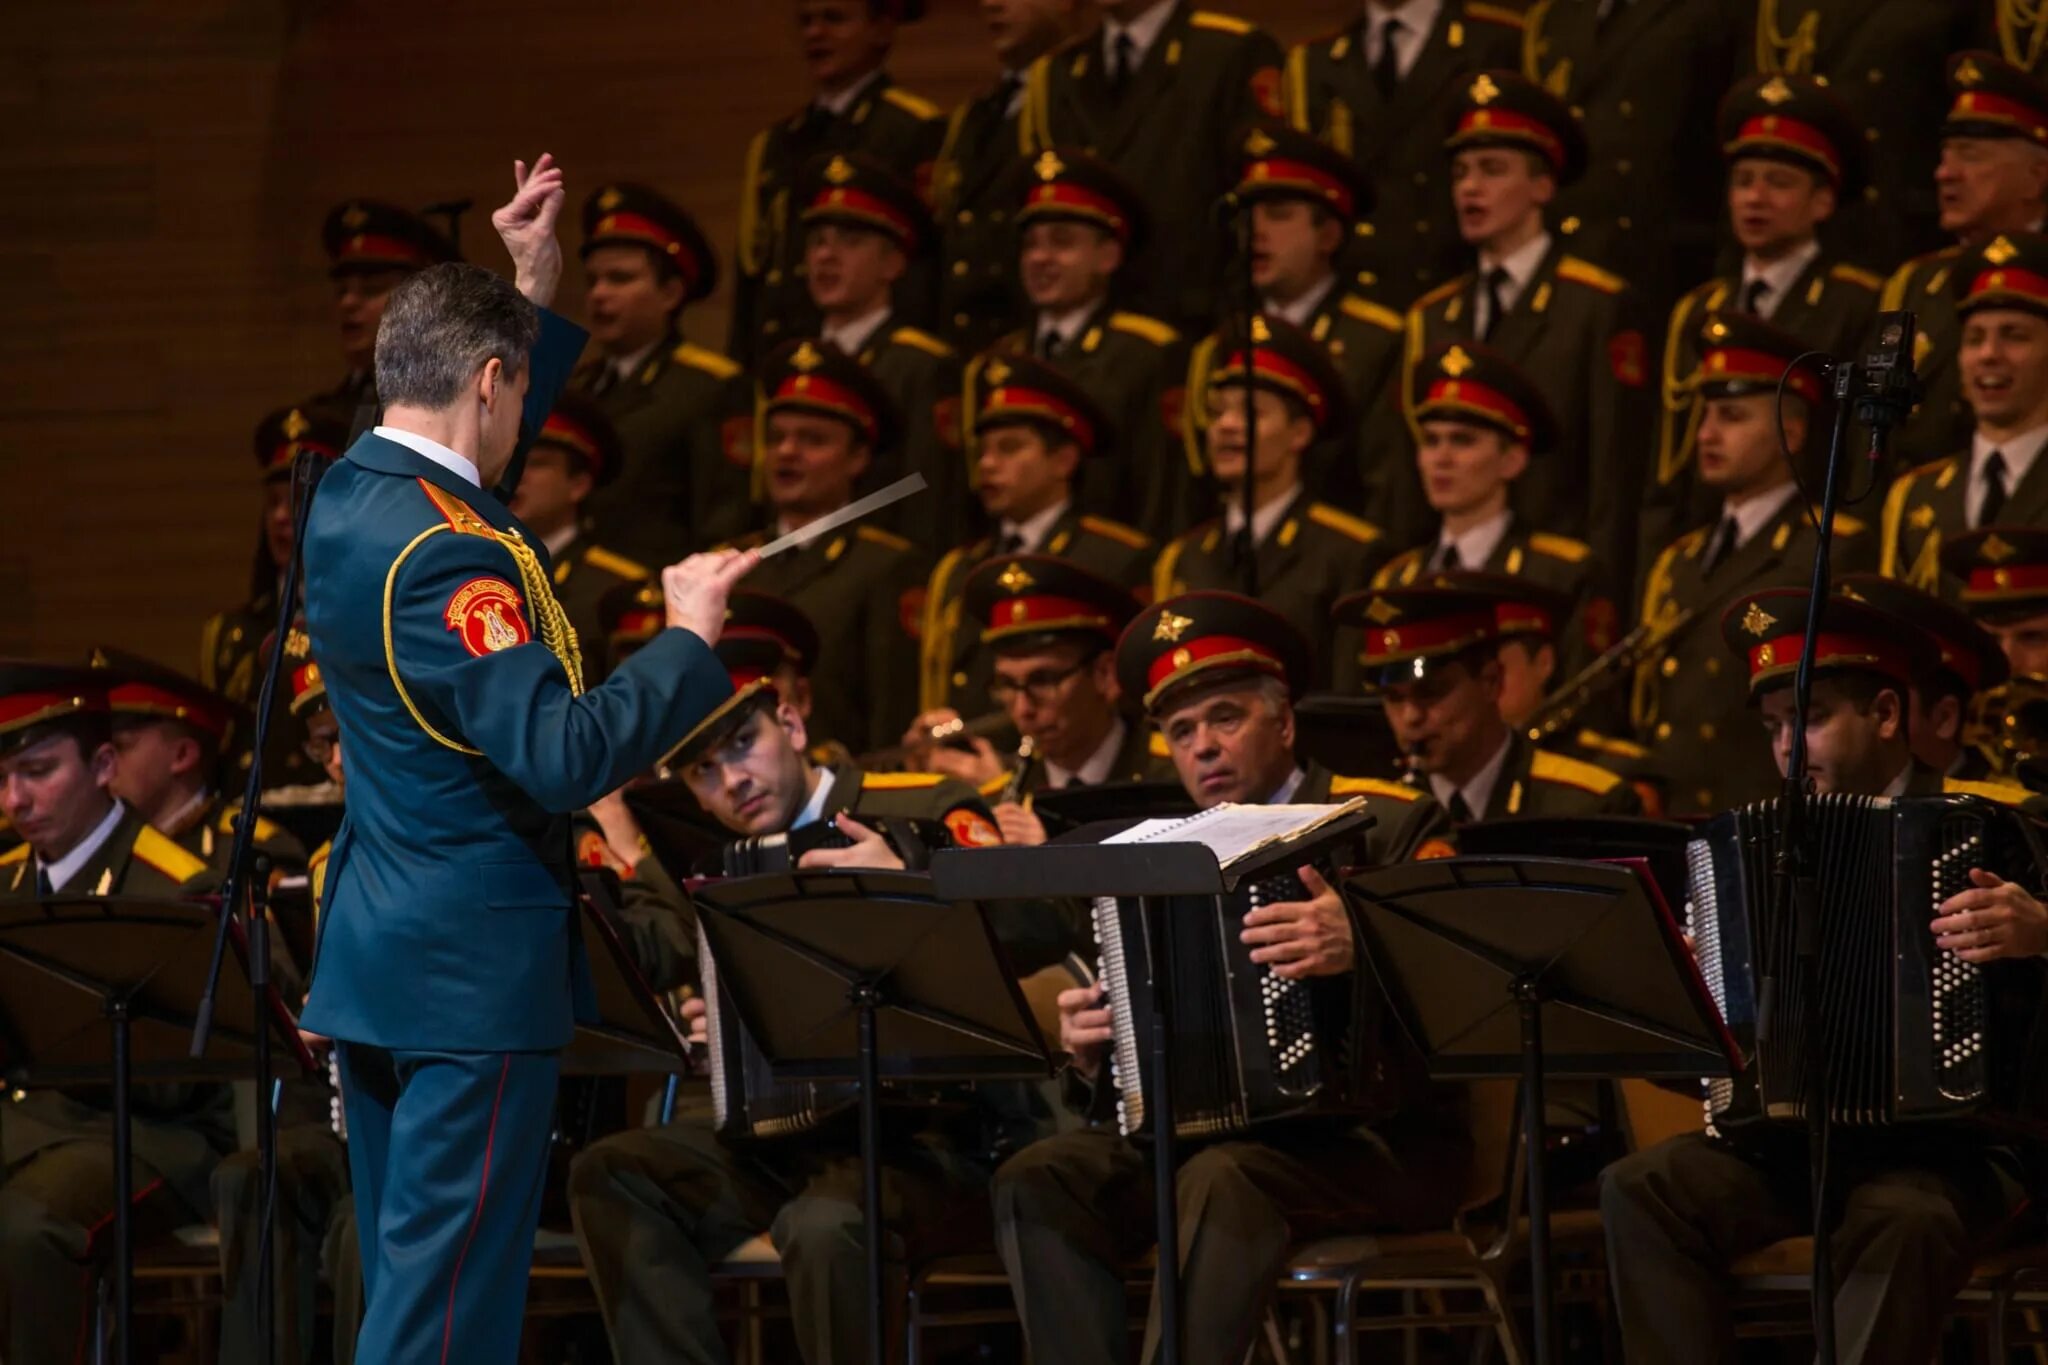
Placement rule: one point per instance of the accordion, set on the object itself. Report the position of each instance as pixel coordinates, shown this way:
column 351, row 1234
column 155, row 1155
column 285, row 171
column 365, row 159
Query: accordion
column 1249, row 1047
column 747, row 1100
column 1911, row 1032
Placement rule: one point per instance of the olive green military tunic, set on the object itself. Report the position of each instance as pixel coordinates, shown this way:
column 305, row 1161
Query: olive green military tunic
column 977, row 184
column 1928, row 504
column 584, row 572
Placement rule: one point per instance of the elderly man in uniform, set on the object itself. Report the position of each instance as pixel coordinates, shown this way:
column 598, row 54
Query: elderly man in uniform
column 1687, row 705
column 2001, row 300
column 1912, row 1209
column 854, row 107
column 683, row 413
column 1304, row 554
column 1992, row 178
column 57, row 766
column 1572, row 327
column 1218, row 672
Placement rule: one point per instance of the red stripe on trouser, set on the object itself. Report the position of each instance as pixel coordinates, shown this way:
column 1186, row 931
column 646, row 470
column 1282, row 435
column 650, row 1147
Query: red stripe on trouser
column 90, row 1275
column 483, row 1188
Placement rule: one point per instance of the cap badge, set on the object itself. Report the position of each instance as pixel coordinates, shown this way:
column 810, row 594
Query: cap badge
column 354, row 217
column 1455, row 362
column 296, row 425
column 2000, row 251
column 1968, row 72
column 1381, row 611
column 839, row 170
column 608, row 199
column 1261, row 333
column 1171, row 627
column 806, row 357
column 1484, row 91
column 2001, row 579
column 1757, row 621
column 1182, row 658
column 1995, row 550
column 1775, row 91
column 1260, row 142
column 1048, row 166
column 1766, row 656
column 1014, row 579
column 997, row 371
column 1020, row 610
column 1390, row 640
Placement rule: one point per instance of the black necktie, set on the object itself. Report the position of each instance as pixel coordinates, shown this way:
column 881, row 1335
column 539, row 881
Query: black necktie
column 1496, row 280
column 1753, row 297
column 1386, row 68
column 1448, row 559
column 1994, row 489
column 1050, row 344
column 1120, row 69
column 1006, row 93
column 1724, row 541
column 1461, row 812
column 43, row 887
column 1010, row 544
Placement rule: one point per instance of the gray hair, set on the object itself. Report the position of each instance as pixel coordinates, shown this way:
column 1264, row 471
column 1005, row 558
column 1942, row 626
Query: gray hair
column 442, row 325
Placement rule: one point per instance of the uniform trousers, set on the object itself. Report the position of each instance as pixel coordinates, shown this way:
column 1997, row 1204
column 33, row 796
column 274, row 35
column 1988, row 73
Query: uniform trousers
column 1911, row 1222
column 1073, row 1210
column 448, row 1153
column 655, row 1208
column 56, row 1234
column 313, row 1226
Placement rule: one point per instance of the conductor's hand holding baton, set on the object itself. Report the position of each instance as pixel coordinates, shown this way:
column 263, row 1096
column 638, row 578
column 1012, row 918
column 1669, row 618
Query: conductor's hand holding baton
column 695, row 590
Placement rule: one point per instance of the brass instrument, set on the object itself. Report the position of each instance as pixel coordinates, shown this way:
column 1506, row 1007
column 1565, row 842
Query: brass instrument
column 2008, row 724
column 978, row 728
column 1027, row 758
column 1562, row 707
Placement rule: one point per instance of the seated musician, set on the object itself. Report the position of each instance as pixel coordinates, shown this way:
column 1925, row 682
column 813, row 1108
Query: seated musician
column 1218, row 673
column 1914, row 1207
column 1436, row 649
column 2004, row 575
column 56, row 1146
column 655, row 1208
column 1967, row 661
column 1050, row 628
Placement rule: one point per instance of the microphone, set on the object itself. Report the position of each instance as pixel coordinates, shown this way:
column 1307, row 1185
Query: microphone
column 1887, row 387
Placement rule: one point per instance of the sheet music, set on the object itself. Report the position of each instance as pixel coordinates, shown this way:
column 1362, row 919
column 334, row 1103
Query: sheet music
column 1235, row 832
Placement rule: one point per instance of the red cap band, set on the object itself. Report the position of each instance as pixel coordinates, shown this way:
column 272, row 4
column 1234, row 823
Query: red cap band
column 1506, row 123
column 1733, row 362
column 1209, row 651
column 1477, row 400
column 1301, row 176
column 1981, row 106
column 1044, row 612
column 375, row 246
column 841, row 201
column 1011, row 401
column 145, row 699
column 816, row 393
column 1788, row 134
column 28, row 708
column 1888, row 657
column 1437, row 635
column 1055, row 198
column 1271, row 365
column 2006, row 280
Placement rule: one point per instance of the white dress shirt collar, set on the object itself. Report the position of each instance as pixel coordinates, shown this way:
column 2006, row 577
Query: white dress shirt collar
column 1479, row 789
column 1034, row 530
column 837, row 105
column 2020, row 453
column 433, row 450
column 1777, row 276
column 1475, row 545
column 624, row 367
column 1418, row 21
column 1286, row 790
column 1753, row 514
column 1898, row 784
column 1069, row 325
column 1143, row 30
column 1264, row 517
column 1302, row 311
column 1096, row 768
column 814, row 809
column 1521, row 265
column 560, row 540
column 852, row 337
column 65, row 868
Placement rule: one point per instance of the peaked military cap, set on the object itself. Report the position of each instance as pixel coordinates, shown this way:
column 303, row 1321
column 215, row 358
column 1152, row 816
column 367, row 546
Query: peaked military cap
column 1465, row 381
column 364, row 235
column 34, row 695
column 283, row 434
column 1990, row 97
column 1202, row 639
column 309, row 686
column 1506, row 109
column 762, row 634
column 1016, row 388
column 2009, row 271
column 136, row 686
column 1288, row 361
column 1068, row 184
column 1282, row 162
column 857, row 190
column 578, row 425
column 818, row 377
column 1019, row 596
column 2004, row 570
column 1767, row 631
column 1407, row 629
column 627, row 214
column 1796, row 120
column 1966, row 651
column 1741, row 354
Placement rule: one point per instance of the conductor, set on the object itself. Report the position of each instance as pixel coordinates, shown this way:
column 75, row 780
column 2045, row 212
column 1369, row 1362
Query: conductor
column 448, row 968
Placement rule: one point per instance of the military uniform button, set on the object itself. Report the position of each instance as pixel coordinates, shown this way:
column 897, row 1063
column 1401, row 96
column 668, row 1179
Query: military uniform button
column 1623, row 166
column 998, row 215
column 1704, row 799
column 1422, row 225
column 1663, row 729
column 1875, row 77
column 1627, row 108
column 1422, row 177
column 1624, row 223
column 959, row 268
column 1707, row 731
column 1670, row 666
column 961, row 319
column 1714, row 666
column 959, row 680
column 964, row 217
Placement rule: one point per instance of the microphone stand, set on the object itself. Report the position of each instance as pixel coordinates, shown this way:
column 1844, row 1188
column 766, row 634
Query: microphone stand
column 307, row 469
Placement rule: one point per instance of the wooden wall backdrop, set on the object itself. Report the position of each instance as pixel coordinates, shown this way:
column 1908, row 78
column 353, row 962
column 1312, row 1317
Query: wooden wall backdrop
column 166, row 166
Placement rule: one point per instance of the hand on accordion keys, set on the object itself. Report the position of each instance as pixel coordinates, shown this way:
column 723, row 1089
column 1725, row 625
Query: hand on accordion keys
column 868, row 849
column 693, row 1020
column 1300, row 939
column 1085, row 1028
column 1993, row 919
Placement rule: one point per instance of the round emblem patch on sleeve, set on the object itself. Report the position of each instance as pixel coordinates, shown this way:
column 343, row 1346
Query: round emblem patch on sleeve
column 485, row 613
column 971, row 829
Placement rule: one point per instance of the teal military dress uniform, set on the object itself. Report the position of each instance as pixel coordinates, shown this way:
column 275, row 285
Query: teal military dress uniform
column 449, row 967
column 1411, row 243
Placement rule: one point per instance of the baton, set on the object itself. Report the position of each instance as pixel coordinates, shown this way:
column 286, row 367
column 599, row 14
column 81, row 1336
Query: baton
column 853, row 511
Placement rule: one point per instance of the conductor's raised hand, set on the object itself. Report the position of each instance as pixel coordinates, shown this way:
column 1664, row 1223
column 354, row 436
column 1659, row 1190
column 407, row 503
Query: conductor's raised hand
column 868, row 849
column 1302, row 938
column 526, row 225
column 694, row 592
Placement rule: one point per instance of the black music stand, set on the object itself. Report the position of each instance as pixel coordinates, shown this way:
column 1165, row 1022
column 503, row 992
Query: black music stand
column 633, row 1031
column 1068, row 808
column 1079, row 864
column 1539, row 966
column 105, row 991
column 865, row 975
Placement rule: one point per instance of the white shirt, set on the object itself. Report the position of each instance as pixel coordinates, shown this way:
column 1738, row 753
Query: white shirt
column 1033, row 531
column 626, row 366
column 1898, row 784
column 1095, row 769
column 837, row 105
column 1479, row 789
column 1776, row 276
column 435, row 451
column 65, row 868
column 2020, row 453
column 1143, row 31
column 1067, row 326
column 1417, row 19
column 1016, row 83
column 1264, row 518
column 560, row 540
column 1285, row 792
column 1303, row 310
column 1475, row 546
column 850, row 337
column 1754, row 514
column 814, row 809
column 1521, row 265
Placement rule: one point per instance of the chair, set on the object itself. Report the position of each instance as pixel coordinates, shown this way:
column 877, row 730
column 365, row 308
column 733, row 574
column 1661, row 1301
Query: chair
column 176, row 1278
